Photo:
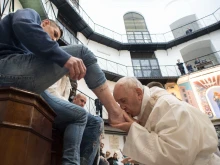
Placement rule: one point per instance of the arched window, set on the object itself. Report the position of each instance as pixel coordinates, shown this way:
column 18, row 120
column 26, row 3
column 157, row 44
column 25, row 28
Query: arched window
column 136, row 28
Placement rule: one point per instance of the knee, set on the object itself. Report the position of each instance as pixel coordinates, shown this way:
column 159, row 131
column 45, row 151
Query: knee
column 88, row 56
column 84, row 116
column 99, row 123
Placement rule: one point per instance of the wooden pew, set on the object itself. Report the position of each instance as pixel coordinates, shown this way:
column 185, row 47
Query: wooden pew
column 25, row 128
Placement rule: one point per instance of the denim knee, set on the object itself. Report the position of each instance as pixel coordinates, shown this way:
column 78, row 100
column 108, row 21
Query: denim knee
column 94, row 76
column 82, row 119
column 98, row 123
column 87, row 56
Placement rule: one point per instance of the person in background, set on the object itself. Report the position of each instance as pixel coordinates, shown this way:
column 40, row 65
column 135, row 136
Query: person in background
column 189, row 67
column 80, row 100
column 197, row 61
column 180, row 67
column 107, row 154
column 103, row 160
column 101, row 150
column 98, row 106
column 188, row 31
column 153, row 84
column 113, row 160
column 169, row 132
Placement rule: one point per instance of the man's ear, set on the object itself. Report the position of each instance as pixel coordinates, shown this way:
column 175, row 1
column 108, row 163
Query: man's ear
column 45, row 22
column 140, row 93
column 74, row 99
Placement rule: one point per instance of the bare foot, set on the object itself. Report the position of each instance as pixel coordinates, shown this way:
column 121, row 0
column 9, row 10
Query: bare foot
column 116, row 118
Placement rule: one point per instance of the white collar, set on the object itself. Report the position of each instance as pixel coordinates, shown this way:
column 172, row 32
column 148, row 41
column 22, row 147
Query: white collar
column 146, row 97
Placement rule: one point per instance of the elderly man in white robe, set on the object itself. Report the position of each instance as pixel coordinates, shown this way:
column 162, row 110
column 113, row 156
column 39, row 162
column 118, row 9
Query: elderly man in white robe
column 168, row 131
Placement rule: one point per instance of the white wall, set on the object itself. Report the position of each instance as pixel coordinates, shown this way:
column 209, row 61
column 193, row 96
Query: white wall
column 197, row 53
column 158, row 14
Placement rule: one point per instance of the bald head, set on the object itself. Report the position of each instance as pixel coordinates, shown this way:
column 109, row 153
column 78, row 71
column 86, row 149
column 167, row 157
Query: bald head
column 154, row 84
column 128, row 92
column 80, row 100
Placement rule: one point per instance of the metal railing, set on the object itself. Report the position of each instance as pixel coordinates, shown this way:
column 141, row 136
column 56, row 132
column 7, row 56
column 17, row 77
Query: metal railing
column 6, row 6
column 153, row 71
column 105, row 64
column 90, row 105
column 158, row 71
column 203, row 62
column 144, row 37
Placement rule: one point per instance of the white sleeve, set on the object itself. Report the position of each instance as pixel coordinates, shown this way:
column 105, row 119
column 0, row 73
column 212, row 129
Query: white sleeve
column 67, row 88
column 53, row 90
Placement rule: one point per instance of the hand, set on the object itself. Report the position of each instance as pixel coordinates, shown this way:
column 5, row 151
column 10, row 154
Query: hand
column 76, row 68
column 128, row 160
column 125, row 126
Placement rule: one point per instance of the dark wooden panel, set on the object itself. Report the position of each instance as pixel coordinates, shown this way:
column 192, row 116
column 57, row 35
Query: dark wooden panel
column 17, row 113
column 25, row 128
column 13, row 146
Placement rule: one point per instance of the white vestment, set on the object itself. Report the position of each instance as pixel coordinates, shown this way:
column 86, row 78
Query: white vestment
column 61, row 88
column 172, row 132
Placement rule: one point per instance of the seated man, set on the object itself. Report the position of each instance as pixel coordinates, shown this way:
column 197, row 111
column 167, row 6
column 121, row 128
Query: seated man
column 197, row 61
column 31, row 59
column 171, row 132
column 80, row 100
column 189, row 67
column 89, row 127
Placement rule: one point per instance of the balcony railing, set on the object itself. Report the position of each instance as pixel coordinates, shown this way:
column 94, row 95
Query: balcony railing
column 141, row 71
column 90, row 105
column 67, row 37
column 157, row 71
column 204, row 62
column 144, row 37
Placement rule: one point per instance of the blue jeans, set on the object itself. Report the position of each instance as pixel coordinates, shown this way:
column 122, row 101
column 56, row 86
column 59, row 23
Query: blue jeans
column 36, row 74
column 81, row 131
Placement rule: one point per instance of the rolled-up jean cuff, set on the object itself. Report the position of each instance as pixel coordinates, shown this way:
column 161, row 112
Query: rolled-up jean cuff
column 94, row 76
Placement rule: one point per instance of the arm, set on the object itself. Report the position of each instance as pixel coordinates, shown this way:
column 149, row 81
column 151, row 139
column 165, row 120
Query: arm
column 169, row 143
column 26, row 26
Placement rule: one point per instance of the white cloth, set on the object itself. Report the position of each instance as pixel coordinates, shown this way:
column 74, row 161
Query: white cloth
column 172, row 133
column 61, row 88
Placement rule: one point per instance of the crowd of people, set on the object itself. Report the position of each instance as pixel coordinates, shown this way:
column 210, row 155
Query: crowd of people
column 189, row 67
column 107, row 158
column 161, row 129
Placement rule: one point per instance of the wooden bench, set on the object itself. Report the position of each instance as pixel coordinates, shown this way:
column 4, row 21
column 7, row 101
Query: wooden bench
column 25, row 128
